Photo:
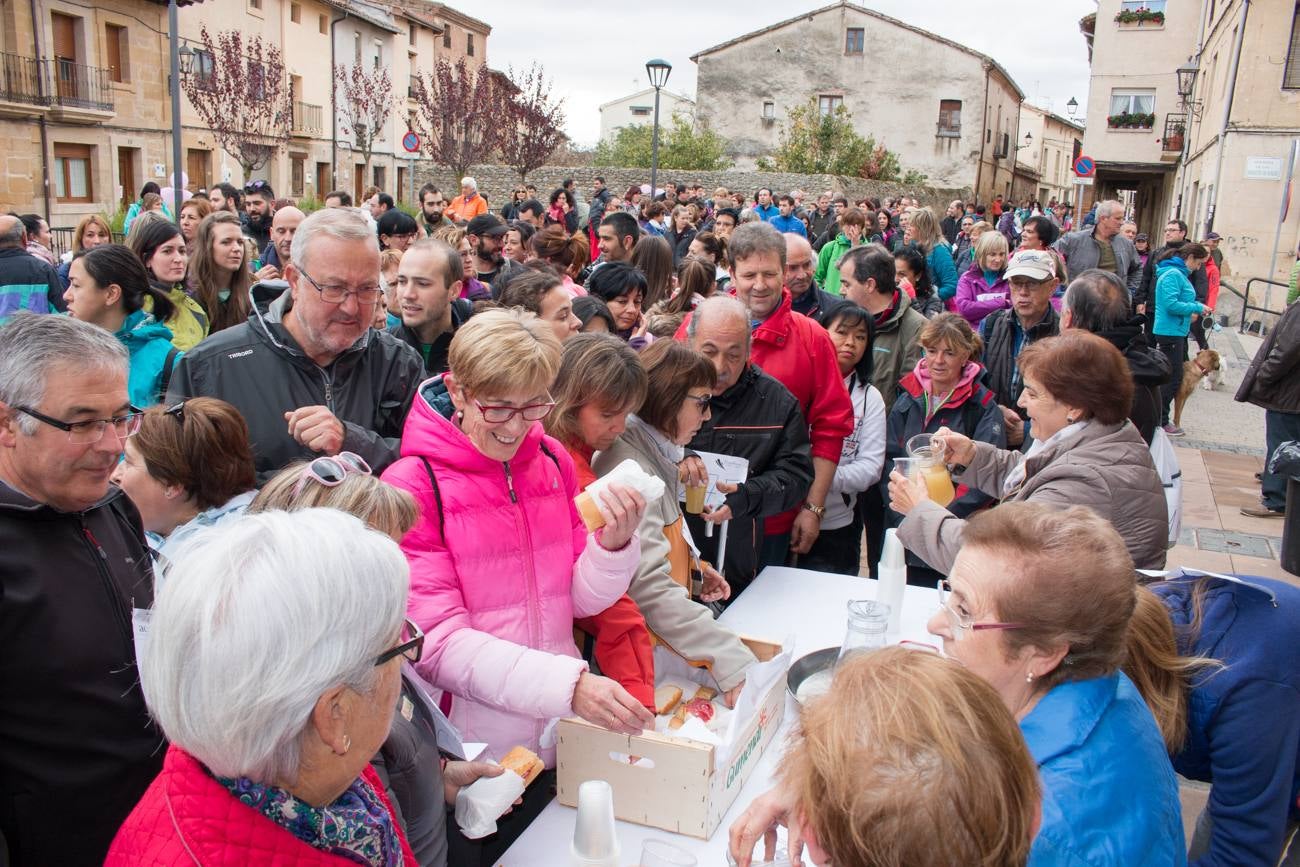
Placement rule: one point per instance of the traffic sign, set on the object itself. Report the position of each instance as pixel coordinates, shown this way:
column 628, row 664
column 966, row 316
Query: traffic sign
column 411, row 142
column 1085, row 167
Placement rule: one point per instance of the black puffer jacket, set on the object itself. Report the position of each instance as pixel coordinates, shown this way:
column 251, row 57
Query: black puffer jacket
column 77, row 748
column 1150, row 368
column 759, row 420
column 259, row 368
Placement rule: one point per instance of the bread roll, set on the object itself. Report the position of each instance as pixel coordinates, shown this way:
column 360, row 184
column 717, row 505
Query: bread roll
column 589, row 511
column 523, row 762
column 666, row 698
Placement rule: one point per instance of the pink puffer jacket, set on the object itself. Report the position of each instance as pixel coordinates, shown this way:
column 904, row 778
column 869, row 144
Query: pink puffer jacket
column 499, row 570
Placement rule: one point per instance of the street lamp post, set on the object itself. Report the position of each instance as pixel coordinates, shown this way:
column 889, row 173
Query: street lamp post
column 658, row 71
column 173, row 39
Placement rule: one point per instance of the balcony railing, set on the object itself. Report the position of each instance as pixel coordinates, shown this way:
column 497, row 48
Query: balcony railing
column 58, row 82
column 1175, row 129
column 947, row 130
column 20, row 80
column 307, row 118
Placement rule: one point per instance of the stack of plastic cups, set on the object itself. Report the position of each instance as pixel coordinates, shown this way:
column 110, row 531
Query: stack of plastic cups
column 595, row 842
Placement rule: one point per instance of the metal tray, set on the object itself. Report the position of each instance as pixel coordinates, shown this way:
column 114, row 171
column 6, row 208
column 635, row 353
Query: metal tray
column 806, row 666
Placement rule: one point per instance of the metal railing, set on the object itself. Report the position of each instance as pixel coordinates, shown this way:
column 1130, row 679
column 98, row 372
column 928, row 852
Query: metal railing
column 1246, row 305
column 307, row 117
column 20, row 79
column 57, row 82
column 1175, row 129
column 947, row 130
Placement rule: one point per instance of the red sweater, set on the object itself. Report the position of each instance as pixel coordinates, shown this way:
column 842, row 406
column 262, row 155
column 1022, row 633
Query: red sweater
column 187, row 817
column 798, row 353
column 623, row 649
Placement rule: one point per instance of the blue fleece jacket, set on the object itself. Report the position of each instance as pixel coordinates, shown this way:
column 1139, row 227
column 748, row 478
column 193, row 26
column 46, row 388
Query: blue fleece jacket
column 1243, row 726
column 791, row 224
column 767, row 212
column 1175, row 299
column 943, row 271
column 148, row 343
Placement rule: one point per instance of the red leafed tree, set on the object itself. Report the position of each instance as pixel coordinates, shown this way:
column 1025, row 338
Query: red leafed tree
column 238, row 88
column 534, row 123
column 365, row 103
column 460, row 116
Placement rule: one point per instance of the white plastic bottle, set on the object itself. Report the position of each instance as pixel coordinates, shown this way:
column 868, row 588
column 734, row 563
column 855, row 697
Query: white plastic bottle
column 892, row 573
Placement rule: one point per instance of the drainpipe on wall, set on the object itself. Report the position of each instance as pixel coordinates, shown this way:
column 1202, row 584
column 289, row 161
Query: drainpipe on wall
column 1227, row 115
column 979, row 164
column 40, row 93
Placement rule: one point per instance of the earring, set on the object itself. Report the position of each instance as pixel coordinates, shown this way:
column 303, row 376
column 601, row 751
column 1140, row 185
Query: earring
column 347, row 745
column 1029, row 678
column 460, row 415
column 1069, row 420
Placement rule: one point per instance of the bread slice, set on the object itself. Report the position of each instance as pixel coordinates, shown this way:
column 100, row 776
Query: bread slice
column 523, row 762
column 707, row 693
column 666, row 698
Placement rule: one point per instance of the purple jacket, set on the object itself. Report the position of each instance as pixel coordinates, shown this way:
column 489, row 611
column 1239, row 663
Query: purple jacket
column 976, row 299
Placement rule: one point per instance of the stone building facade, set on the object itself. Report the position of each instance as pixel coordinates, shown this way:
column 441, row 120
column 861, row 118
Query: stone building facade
column 958, row 123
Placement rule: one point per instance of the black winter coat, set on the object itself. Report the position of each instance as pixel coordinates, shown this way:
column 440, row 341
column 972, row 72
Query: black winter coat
column 757, row 419
column 77, row 748
column 1150, row 368
column 1002, row 374
column 259, row 368
column 1272, row 381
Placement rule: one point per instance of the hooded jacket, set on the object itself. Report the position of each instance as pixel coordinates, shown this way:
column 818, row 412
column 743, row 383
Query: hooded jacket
column 77, row 747
column 1109, row 795
column 260, row 369
column 1243, row 720
column 1270, row 381
column 897, row 348
column 1150, row 368
column 188, row 322
column 153, row 357
column 1105, row 466
column 1175, row 299
column 827, row 274
column 681, row 623
column 976, row 299
column 188, row 817
column 501, row 564
column 435, row 362
column 757, row 419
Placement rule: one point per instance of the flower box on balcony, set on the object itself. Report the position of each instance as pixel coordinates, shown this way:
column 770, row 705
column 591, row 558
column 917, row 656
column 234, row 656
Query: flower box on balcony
column 1125, row 120
column 1138, row 17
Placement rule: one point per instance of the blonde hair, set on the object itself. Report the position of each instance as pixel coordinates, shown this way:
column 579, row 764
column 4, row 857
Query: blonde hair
column 979, row 228
column 990, row 244
column 912, row 759
column 78, row 237
column 381, row 506
column 200, row 204
column 925, row 229
column 954, row 330
column 389, row 258
column 498, row 352
column 453, row 235
column 1156, row 668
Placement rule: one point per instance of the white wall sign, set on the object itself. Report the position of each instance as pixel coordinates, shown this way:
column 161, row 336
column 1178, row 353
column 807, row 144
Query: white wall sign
column 159, row 170
column 1263, row 168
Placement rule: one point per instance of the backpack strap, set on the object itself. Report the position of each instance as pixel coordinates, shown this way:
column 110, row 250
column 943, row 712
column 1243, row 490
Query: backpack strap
column 165, row 380
column 437, row 497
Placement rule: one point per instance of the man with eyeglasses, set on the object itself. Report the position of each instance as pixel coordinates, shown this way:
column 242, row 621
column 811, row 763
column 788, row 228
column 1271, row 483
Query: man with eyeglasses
column 309, row 375
column 77, row 748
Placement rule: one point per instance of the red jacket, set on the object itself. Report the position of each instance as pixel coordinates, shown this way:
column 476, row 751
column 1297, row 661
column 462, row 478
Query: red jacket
column 623, row 649
column 798, row 353
column 187, row 817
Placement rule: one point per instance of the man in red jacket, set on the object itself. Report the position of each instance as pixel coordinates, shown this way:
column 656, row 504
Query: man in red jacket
column 798, row 353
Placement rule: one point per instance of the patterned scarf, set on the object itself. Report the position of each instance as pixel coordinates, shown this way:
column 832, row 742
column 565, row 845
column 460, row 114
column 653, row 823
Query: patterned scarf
column 356, row 826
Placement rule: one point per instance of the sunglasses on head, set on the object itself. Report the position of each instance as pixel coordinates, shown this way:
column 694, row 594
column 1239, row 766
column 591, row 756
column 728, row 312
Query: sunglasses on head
column 256, row 186
column 332, row 471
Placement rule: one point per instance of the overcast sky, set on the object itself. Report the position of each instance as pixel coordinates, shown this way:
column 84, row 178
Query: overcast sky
column 579, row 43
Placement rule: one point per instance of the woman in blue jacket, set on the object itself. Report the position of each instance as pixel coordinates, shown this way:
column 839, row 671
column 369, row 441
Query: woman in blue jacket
column 923, row 230
column 1175, row 305
column 1038, row 603
column 1220, row 667
column 108, row 286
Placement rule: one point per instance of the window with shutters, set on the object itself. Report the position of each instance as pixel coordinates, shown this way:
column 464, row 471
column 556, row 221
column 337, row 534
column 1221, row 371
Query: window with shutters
column 853, row 40
column 117, row 49
column 72, row 177
column 949, row 118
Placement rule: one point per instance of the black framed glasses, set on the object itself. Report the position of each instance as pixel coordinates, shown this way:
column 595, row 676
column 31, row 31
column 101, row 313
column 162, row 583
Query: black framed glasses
column 411, row 645
column 703, row 400
column 91, row 431
column 503, row 414
column 331, row 294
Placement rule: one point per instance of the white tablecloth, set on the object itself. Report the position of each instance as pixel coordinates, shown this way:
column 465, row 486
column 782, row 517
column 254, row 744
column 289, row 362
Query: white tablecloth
column 795, row 605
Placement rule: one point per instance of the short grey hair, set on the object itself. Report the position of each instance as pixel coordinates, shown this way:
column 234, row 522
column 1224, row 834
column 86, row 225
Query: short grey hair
column 34, row 345
column 1097, row 300
column 715, row 307
column 1108, row 208
column 13, row 239
column 340, row 224
column 749, row 239
column 467, row 181
column 259, row 616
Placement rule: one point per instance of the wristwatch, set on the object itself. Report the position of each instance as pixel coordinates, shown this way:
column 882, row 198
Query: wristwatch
column 819, row 511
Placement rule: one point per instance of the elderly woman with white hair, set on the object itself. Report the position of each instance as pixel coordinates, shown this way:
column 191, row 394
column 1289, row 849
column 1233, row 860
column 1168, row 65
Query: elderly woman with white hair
column 273, row 664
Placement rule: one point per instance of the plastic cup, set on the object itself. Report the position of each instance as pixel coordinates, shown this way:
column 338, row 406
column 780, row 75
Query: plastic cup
column 695, row 498
column 906, row 466
column 595, row 841
column 658, row 853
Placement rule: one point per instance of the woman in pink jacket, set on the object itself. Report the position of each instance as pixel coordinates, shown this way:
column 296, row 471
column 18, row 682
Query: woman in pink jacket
column 982, row 289
column 501, row 562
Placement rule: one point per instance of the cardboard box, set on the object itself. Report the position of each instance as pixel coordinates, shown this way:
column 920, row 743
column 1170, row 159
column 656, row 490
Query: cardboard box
column 677, row 785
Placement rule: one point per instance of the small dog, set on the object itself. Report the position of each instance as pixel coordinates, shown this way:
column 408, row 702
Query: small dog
column 1206, row 364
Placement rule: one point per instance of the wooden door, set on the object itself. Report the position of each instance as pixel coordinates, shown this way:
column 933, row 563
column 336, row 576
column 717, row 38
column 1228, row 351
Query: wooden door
column 126, row 174
column 324, row 183
column 65, row 54
column 198, row 166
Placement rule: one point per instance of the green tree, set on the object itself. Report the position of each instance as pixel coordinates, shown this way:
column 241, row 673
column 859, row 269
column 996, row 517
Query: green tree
column 814, row 143
column 682, row 145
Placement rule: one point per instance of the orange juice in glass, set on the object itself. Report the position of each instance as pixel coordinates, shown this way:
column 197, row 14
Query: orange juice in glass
column 927, row 452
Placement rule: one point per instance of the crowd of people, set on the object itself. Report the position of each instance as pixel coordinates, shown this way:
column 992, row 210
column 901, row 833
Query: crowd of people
column 286, row 497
